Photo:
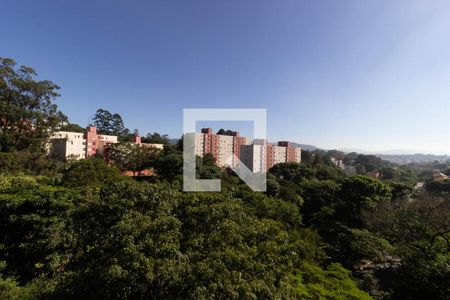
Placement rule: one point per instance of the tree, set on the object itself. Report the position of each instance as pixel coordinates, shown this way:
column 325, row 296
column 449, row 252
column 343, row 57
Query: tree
column 206, row 168
column 121, row 155
column 28, row 115
column 131, row 157
column 419, row 225
column 103, row 121
column 324, row 172
column 423, row 277
column 292, row 172
column 388, row 174
column 318, row 197
column 108, row 123
column 122, row 239
column 209, row 160
column 90, row 173
column 10, row 289
column 273, row 188
column 72, row 127
column 318, row 160
column 33, row 218
column 156, row 138
column 117, row 126
column 333, row 283
column 225, row 132
column 232, row 253
column 169, row 164
column 438, row 187
column 128, row 245
column 360, row 194
column 289, row 193
column 307, row 157
column 420, row 231
column 401, row 191
column 370, row 163
column 28, row 162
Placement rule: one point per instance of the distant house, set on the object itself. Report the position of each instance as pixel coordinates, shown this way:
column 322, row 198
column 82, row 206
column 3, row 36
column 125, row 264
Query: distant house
column 374, row 174
column 146, row 172
column 338, row 163
column 439, row 176
column 420, row 185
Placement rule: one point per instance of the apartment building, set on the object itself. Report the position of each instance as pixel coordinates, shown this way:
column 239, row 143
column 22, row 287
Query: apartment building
column 254, row 157
column 224, row 147
column 66, row 145
column 257, row 155
column 281, row 153
column 95, row 142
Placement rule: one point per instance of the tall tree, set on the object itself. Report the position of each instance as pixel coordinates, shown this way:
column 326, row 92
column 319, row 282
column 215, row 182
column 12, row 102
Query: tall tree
column 27, row 112
column 103, row 121
column 117, row 126
column 108, row 123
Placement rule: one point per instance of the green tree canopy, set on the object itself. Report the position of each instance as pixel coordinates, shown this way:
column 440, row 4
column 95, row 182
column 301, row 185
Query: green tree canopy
column 90, row 173
column 27, row 112
column 156, row 138
column 109, row 123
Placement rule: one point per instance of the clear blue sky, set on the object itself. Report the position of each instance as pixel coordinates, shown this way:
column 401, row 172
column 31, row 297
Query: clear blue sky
column 337, row 74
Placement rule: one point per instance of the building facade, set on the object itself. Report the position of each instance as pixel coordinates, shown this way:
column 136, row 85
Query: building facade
column 96, row 143
column 283, row 152
column 65, row 145
column 258, row 155
column 136, row 139
column 224, row 147
column 254, row 157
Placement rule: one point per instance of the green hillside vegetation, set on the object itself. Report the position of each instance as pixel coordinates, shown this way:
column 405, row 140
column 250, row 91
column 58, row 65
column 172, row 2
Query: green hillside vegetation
column 81, row 230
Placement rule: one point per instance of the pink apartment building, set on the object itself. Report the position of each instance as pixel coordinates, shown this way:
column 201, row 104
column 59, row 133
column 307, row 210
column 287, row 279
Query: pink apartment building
column 95, row 142
column 274, row 154
column 257, row 155
column 222, row 147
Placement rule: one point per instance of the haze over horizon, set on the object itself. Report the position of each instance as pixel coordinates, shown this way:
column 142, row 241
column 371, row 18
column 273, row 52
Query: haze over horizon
column 365, row 75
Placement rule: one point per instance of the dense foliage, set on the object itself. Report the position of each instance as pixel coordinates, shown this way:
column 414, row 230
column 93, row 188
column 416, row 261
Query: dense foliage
column 131, row 240
column 81, row 230
column 27, row 111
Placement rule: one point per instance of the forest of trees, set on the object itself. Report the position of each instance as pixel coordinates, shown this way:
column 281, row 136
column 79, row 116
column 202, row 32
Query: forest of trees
column 81, row 230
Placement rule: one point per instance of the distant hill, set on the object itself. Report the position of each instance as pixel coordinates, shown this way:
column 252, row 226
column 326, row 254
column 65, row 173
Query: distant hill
column 401, row 156
column 305, row 147
column 173, row 141
column 412, row 158
column 355, row 150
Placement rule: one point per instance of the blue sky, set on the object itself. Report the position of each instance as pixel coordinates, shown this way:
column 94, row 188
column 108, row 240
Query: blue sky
column 371, row 75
